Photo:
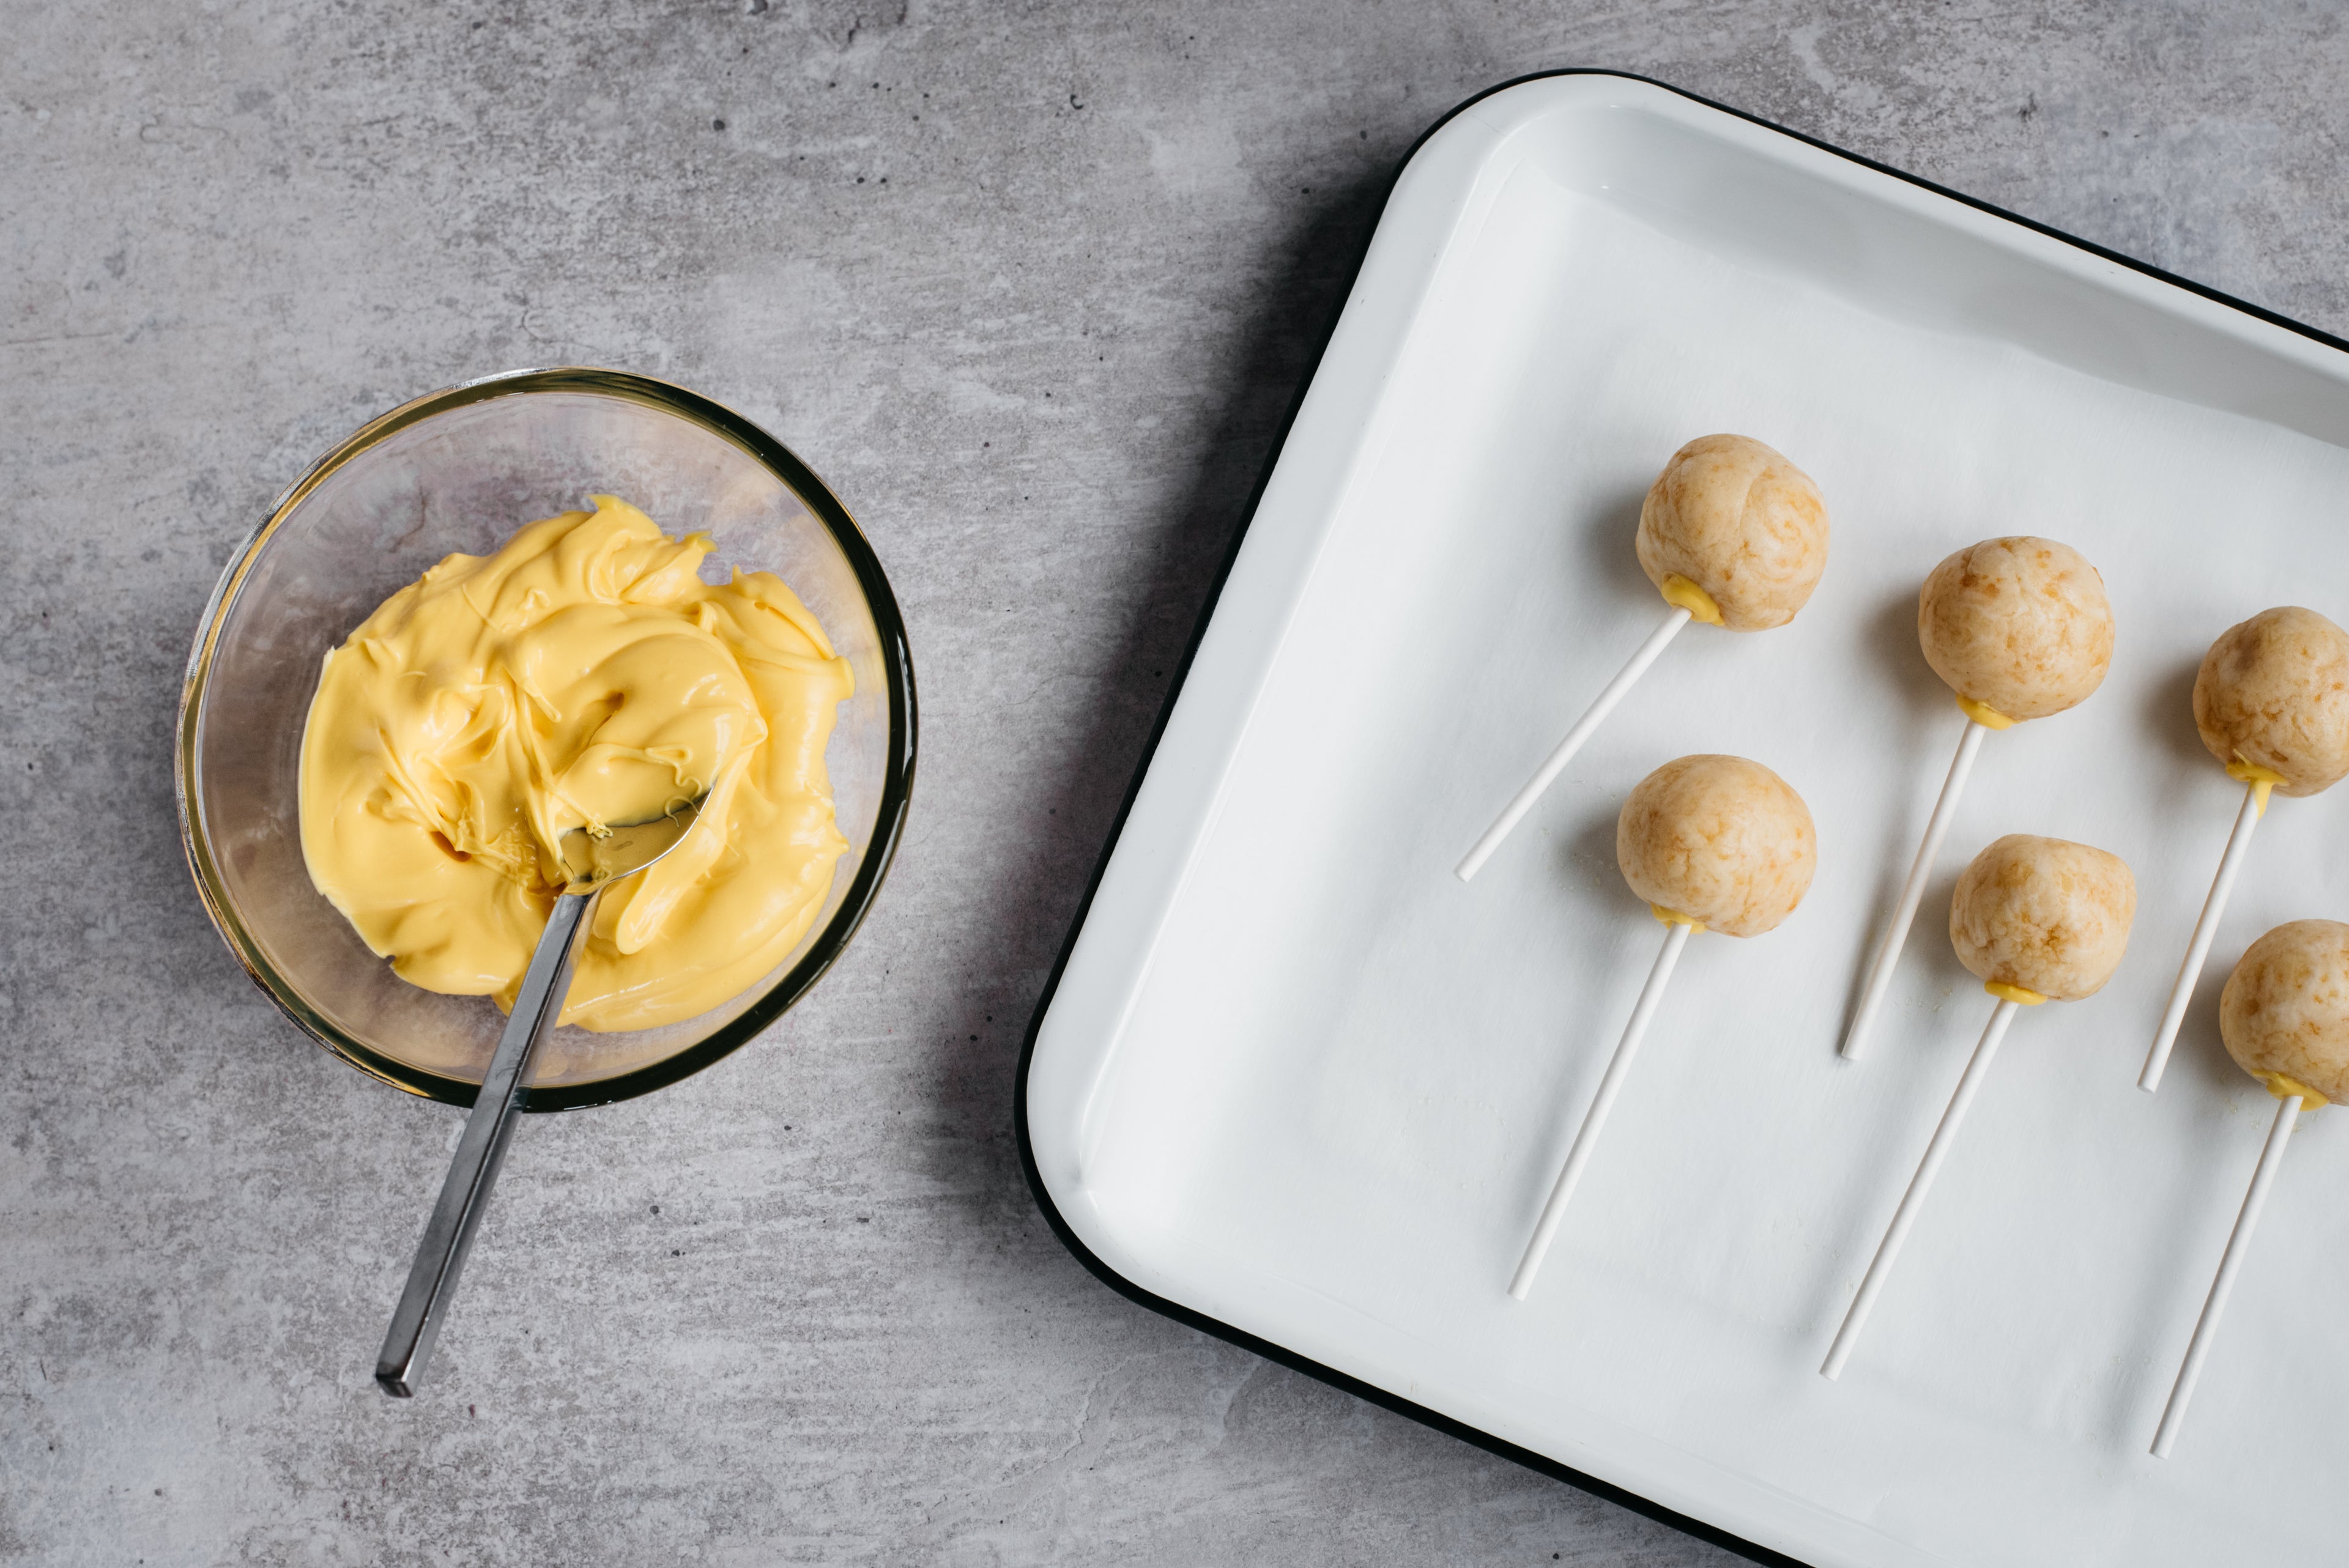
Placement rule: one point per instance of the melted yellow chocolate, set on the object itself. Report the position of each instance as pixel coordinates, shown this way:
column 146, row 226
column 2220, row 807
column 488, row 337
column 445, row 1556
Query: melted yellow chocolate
column 2007, row 991
column 584, row 674
column 1981, row 713
column 1682, row 591
column 2283, row 1086
column 2260, row 779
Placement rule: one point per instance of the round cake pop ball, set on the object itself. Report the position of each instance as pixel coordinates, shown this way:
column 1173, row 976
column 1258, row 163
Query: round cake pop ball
column 1741, row 523
column 2273, row 693
column 2020, row 626
column 2043, row 915
column 2285, row 1014
column 1719, row 840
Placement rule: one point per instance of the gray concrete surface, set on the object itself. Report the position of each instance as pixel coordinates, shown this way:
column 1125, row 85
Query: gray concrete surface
column 1030, row 284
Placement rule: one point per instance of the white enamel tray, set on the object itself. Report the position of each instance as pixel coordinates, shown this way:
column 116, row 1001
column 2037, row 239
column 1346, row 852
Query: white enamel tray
column 1296, row 1083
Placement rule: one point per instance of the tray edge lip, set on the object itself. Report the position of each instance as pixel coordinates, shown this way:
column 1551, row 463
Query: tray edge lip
column 1280, row 1355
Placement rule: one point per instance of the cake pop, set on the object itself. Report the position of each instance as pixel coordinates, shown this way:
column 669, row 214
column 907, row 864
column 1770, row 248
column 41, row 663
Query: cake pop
column 2285, row 1017
column 1712, row 844
column 2035, row 920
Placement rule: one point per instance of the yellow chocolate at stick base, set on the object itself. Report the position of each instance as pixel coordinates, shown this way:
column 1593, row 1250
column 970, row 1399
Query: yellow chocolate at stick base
column 1680, row 591
column 1981, row 713
column 2261, row 779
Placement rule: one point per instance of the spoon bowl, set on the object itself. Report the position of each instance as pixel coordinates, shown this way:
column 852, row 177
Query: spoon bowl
column 591, row 859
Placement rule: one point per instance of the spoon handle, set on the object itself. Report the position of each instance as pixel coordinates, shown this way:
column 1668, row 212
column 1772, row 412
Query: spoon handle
column 449, row 1234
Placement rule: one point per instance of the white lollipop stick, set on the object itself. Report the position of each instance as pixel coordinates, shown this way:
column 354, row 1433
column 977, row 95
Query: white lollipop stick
column 1918, row 1185
column 1523, row 802
column 2206, row 1328
column 2239, row 845
column 1595, row 1118
column 1912, row 892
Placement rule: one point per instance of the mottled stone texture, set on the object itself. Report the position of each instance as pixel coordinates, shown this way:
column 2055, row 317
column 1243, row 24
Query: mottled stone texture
column 1030, row 284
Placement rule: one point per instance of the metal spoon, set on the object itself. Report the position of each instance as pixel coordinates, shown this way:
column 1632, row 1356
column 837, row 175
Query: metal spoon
column 590, row 864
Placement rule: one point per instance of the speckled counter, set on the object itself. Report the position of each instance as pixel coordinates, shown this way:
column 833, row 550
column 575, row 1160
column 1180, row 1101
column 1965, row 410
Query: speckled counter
column 1031, row 286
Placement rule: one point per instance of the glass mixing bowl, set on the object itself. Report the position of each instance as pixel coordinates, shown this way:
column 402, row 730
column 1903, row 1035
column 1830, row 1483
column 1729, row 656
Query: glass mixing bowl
column 461, row 470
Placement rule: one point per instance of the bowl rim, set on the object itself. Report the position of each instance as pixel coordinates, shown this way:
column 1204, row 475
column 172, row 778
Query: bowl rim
column 897, row 769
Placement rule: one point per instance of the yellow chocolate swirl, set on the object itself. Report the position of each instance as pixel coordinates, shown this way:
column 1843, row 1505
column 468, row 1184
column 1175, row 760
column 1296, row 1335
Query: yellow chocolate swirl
column 582, row 675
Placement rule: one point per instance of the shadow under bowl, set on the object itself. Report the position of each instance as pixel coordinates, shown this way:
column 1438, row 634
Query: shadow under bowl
column 461, row 470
